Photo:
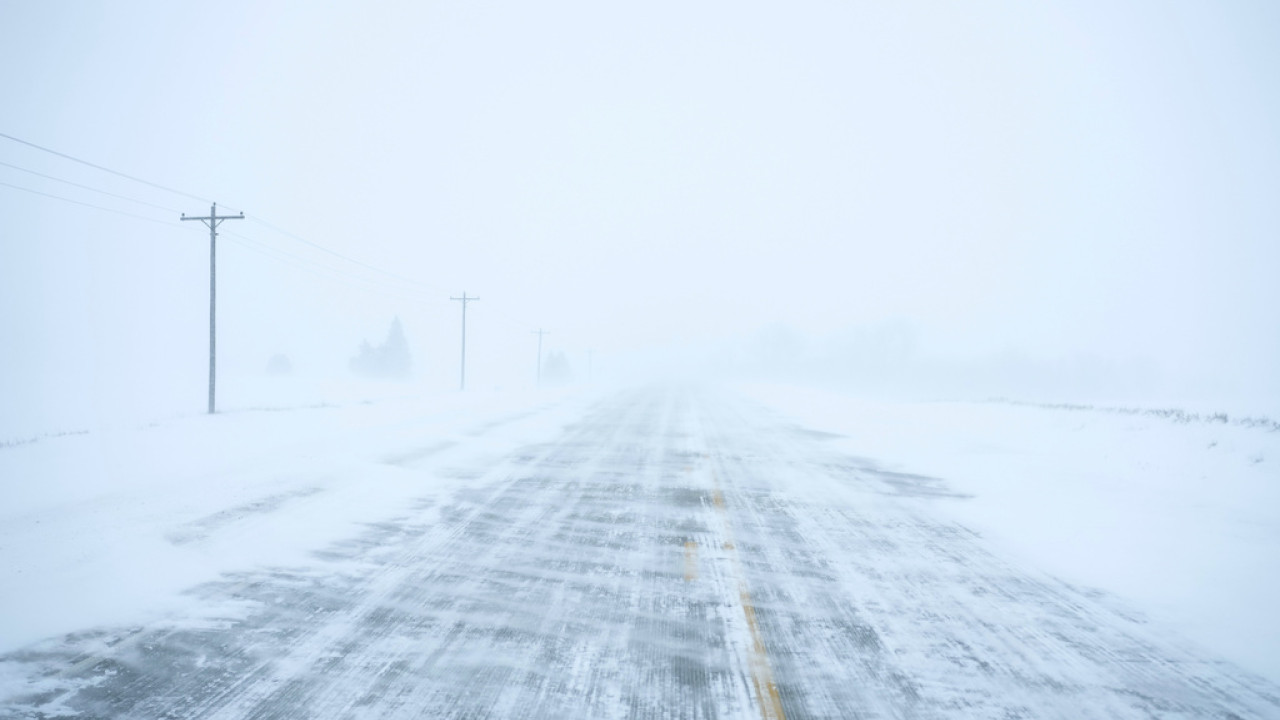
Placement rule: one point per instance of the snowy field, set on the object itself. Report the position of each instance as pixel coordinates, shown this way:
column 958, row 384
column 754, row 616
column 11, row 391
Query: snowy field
column 662, row 552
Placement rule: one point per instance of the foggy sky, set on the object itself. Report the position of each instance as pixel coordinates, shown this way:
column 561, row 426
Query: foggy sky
column 1061, row 183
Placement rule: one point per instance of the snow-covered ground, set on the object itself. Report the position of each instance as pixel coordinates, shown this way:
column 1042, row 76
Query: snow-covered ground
column 653, row 552
column 108, row 525
column 1181, row 519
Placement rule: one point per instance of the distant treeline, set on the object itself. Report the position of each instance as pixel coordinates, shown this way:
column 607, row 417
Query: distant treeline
column 1176, row 415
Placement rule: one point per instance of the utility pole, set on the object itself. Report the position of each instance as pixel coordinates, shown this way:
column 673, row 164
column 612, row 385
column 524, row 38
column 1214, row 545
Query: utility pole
column 540, row 332
column 213, row 221
column 464, row 300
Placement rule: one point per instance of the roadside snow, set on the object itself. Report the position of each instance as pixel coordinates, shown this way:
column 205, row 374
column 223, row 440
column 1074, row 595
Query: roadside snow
column 109, row 526
column 1180, row 520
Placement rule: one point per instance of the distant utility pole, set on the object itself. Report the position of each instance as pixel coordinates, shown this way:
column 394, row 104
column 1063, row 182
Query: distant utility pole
column 464, row 300
column 213, row 221
column 540, row 332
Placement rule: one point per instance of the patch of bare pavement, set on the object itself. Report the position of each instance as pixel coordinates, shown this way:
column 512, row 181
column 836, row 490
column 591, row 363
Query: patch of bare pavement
column 673, row 555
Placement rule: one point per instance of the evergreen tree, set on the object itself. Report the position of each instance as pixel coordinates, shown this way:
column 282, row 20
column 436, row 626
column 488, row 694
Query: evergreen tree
column 390, row 360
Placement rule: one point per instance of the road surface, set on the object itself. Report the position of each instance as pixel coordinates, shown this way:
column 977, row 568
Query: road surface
column 673, row 554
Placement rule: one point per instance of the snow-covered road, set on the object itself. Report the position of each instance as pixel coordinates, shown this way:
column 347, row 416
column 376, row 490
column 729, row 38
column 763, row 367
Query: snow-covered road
column 674, row 553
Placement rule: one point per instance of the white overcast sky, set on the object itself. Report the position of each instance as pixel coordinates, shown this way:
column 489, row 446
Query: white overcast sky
column 1051, row 179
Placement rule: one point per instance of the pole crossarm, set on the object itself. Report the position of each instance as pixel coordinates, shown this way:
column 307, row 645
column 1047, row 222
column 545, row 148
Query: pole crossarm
column 214, row 218
column 212, row 221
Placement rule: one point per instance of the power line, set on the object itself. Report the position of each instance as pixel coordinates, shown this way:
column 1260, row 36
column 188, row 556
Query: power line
column 311, row 266
column 86, row 187
column 260, row 221
column 91, row 205
column 334, row 272
column 305, row 241
column 103, row 169
column 282, row 256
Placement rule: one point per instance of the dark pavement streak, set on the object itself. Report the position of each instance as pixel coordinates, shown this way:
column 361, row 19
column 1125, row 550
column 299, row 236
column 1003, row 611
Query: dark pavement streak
column 675, row 554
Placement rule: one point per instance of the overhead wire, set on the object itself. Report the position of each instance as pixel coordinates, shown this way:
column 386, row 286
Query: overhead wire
column 263, row 248
column 252, row 218
column 305, row 241
column 91, row 189
column 264, row 251
column 299, row 263
column 103, row 169
column 310, row 266
column 91, row 205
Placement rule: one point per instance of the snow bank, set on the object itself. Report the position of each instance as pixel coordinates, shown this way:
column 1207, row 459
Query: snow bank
column 1181, row 519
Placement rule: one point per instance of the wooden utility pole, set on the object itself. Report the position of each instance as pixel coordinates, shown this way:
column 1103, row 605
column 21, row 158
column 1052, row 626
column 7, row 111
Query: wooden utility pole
column 213, row 221
column 462, row 385
column 540, row 332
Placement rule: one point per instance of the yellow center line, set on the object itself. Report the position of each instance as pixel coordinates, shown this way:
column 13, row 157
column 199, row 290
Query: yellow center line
column 761, row 673
column 767, row 697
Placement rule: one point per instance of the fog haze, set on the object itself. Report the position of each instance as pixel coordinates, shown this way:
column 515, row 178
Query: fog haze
column 1060, row 201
